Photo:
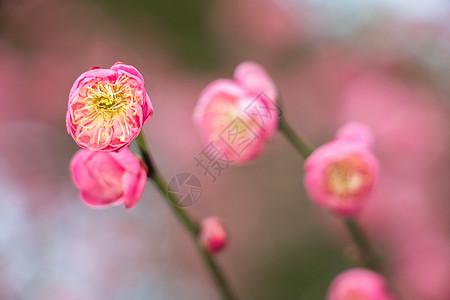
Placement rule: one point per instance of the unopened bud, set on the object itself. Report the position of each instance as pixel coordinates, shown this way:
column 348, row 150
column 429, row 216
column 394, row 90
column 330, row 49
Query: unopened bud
column 213, row 236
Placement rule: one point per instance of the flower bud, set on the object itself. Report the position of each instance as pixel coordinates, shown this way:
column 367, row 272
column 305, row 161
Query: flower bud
column 213, row 236
column 341, row 174
column 238, row 115
column 108, row 107
column 359, row 284
column 107, row 179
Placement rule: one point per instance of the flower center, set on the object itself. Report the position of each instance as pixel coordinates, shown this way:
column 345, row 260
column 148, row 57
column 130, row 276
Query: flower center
column 104, row 107
column 227, row 114
column 348, row 177
column 353, row 295
column 107, row 100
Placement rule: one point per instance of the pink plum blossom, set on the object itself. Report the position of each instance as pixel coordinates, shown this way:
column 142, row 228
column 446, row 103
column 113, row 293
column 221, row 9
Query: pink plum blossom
column 108, row 107
column 359, row 284
column 238, row 116
column 408, row 214
column 341, row 174
column 213, row 236
column 107, row 179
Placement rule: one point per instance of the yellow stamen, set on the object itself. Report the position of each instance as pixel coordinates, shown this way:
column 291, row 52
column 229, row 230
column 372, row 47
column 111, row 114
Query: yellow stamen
column 347, row 177
column 104, row 105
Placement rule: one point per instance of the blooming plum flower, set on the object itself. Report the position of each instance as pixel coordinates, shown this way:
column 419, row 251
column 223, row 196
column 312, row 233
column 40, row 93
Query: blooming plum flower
column 341, row 174
column 107, row 178
column 213, row 236
column 238, row 115
column 359, row 284
column 108, row 107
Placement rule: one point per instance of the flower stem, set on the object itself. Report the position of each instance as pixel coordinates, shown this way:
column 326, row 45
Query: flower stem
column 298, row 143
column 353, row 227
column 145, row 154
column 361, row 241
column 191, row 226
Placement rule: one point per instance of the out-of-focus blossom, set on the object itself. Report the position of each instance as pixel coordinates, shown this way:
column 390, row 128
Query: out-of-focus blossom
column 413, row 121
column 359, row 284
column 412, row 146
column 107, row 108
column 213, row 236
column 340, row 174
column 238, row 115
column 107, row 179
column 422, row 267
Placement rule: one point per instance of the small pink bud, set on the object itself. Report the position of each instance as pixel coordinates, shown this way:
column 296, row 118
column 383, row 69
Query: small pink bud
column 107, row 108
column 213, row 236
column 107, row 179
column 359, row 284
column 94, row 68
column 238, row 116
column 341, row 174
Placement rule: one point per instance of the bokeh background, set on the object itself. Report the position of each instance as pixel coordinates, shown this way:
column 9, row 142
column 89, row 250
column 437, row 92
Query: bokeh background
column 386, row 63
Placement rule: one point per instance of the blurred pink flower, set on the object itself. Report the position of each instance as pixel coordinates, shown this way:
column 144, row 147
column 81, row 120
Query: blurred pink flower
column 421, row 266
column 413, row 120
column 107, row 108
column 213, row 236
column 410, row 123
column 238, row 115
column 359, row 284
column 340, row 174
column 107, row 179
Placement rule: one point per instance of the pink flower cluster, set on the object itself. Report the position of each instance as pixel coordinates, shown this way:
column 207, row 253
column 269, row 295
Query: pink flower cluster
column 106, row 111
column 238, row 115
column 341, row 174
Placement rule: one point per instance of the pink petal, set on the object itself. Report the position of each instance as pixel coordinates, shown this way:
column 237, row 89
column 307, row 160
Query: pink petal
column 356, row 132
column 134, row 186
column 128, row 70
column 255, row 79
